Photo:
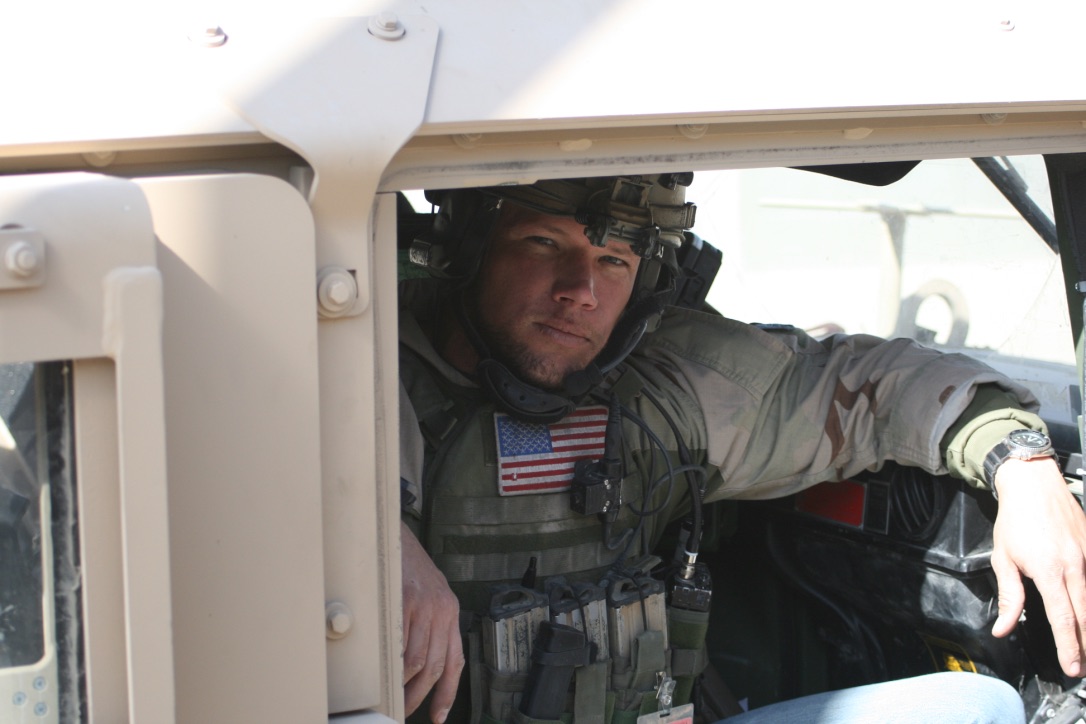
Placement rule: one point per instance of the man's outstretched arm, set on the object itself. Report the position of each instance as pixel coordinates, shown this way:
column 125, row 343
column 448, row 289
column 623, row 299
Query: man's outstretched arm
column 433, row 654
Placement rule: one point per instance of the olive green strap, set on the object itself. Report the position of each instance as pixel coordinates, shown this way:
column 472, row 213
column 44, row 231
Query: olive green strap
column 590, row 697
column 649, row 659
column 688, row 656
column 475, row 676
column 648, row 705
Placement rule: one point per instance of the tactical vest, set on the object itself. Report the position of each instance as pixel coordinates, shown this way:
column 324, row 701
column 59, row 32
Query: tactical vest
column 480, row 539
column 476, row 537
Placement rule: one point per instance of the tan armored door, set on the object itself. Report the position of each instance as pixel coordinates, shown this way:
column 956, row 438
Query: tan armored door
column 82, row 455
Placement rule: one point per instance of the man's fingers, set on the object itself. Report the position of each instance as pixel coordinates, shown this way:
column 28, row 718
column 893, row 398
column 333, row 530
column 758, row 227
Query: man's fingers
column 433, row 653
column 445, row 690
column 408, row 630
column 1064, row 593
column 1040, row 529
column 414, row 692
column 1076, row 590
column 415, row 647
column 1064, row 623
column 1012, row 595
column 433, row 666
column 419, row 675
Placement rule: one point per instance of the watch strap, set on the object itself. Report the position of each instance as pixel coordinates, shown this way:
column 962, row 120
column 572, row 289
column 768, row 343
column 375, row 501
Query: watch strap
column 1007, row 449
column 995, row 457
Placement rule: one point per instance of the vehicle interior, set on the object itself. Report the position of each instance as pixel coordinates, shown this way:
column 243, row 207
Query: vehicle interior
column 885, row 575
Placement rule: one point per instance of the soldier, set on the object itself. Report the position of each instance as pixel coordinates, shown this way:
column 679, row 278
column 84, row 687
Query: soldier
column 554, row 304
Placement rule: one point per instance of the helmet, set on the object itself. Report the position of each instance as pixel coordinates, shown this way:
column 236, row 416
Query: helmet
column 649, row 212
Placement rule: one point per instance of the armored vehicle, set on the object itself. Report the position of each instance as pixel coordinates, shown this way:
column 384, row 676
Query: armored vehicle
column 199, row 225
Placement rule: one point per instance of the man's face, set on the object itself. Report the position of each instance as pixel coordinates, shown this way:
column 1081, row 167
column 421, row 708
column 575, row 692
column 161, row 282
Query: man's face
column 548, row 299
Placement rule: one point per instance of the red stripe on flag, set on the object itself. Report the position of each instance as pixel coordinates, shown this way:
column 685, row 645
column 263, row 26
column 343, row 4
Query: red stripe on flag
column 565, row 472
column 556, row 485
column 600, row 425
column 583, row 422
column 555, row 439
column 580, row 424
column 551, row 461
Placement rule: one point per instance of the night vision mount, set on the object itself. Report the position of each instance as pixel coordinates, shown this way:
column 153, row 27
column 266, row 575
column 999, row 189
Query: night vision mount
column 647, row 212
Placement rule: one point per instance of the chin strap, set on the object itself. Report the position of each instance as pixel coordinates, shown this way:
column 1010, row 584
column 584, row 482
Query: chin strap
column 510, row 393
column 520, row 399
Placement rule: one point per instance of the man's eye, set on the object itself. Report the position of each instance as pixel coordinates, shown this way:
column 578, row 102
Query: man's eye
column 542, row 240
column 614, row 260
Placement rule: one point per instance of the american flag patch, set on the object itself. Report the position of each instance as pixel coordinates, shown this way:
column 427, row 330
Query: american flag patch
column 538, row 458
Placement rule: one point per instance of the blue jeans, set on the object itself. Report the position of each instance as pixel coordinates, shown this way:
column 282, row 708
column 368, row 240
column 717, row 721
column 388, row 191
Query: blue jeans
column 944, row 698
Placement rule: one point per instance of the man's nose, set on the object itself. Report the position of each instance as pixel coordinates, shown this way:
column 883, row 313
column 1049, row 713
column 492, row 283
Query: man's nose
column 576, row 282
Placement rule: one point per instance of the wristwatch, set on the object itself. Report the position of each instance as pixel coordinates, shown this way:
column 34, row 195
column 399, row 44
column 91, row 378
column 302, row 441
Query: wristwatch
column 1021, row 444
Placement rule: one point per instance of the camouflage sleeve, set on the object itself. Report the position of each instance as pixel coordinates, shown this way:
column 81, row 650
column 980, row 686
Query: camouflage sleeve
column 989, row 417
column 782, row 411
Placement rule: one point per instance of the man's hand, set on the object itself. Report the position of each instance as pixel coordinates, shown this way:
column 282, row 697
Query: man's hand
column 1040, row 532
column 433, row 655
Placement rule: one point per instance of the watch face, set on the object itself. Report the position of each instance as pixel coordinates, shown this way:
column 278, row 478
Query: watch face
column 1029, row 439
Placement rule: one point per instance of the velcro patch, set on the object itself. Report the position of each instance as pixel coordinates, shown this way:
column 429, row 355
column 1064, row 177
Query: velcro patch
column 538, row 458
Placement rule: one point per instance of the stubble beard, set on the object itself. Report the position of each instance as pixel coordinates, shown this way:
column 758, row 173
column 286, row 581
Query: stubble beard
column 532, row 367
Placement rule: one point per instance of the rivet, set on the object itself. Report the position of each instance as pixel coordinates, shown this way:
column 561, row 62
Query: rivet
column 100, row 159
column 208, row 36
column 21, row 259
column 693, row 131
column 575, row 145
column 467, row 140
column 340, row 623
column 337, row 291
column 338, row 620
column 386, row 26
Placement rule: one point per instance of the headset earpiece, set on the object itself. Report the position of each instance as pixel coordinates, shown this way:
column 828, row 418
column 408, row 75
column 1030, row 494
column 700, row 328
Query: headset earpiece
column 453, row 247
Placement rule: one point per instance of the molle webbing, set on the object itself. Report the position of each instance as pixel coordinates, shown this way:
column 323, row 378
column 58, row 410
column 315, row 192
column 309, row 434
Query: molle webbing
column 479, row 541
